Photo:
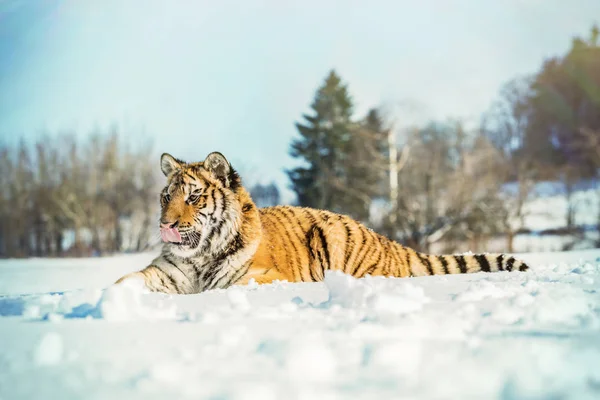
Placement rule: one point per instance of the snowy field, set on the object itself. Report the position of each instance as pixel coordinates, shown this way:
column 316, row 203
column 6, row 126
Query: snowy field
column 533, row 335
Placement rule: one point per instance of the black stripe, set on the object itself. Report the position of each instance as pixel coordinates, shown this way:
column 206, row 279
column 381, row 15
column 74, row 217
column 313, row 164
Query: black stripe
column 162, row 280
column 232, row 247
column 444, row 264
column 234, row 180
column 410, row 271
column 161, row 275
column 178, row 178
column 209, row 274
column 213, row 219
column 273, row 260
column 359, row 259
column 196, row 267
column 509, row 263
column 395, row 258
column 523, row 267
column 499, row 262
column 315, row 254
column 462, row 264
column 389, row 252
column 425, row 261
column 235, row 245
column 325, row 248
column 211, row 281
column 372, row 267
column 223, row 201
column 215, row 284
column 312, row 274
column 173, row 282
column 368, row 253
column 191, row 176
column 214, row 200
column 306, row 241
column 296, row 250
column 310, row 216
column 294, row 222
column 238, row 274
column 356, row 247
column 168, row 259
column 348, row 244
column 216, row 230
column 484, row 264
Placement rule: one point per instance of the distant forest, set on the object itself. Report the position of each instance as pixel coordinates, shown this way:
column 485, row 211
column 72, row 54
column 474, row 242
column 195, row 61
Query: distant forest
column 445, row 184
column 64, row 196
column 440, row 184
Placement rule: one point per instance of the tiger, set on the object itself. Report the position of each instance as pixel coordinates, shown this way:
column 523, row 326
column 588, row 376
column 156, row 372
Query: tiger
column 215, row 236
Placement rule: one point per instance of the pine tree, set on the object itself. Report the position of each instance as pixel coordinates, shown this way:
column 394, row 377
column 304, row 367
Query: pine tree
column 367, row 165
column 324, row 146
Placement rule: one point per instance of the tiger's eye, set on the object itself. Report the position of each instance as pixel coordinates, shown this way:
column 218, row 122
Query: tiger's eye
column 193, row 198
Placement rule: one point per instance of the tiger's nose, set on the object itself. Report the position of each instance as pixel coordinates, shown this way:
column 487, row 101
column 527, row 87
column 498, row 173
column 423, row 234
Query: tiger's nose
column 167, row 225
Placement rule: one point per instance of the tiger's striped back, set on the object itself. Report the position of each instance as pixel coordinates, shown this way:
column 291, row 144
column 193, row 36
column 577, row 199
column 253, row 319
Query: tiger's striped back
column 301, row 243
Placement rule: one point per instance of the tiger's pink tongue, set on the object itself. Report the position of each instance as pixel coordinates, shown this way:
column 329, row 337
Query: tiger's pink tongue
column 170, row 235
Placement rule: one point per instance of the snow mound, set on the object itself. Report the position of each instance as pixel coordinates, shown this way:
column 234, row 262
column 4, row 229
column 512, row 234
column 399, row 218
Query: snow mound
column 483, row 290
column 130, row 301
column 382, row 296
column 238, row 299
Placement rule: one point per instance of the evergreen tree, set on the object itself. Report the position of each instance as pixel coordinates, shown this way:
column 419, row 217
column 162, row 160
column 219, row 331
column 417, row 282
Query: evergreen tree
column 367, row 165
column 324, row 145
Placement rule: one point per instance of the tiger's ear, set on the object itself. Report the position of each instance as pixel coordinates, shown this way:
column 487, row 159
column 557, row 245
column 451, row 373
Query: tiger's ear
column 168, row 164
column 217, row 164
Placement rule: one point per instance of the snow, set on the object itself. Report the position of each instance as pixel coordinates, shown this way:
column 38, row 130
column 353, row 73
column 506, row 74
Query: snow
column 549, row 211
column 50, row 350
column 66, row 333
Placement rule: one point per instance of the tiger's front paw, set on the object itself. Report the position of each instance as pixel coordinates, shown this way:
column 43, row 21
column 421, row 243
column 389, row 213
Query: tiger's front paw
column 154, row 279
column 134, row 278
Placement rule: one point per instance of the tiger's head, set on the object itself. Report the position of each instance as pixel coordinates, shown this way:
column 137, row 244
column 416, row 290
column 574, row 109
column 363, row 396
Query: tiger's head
column 200, row 206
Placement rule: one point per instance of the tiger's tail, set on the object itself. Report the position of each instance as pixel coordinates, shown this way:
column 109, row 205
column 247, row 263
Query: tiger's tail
column 428, row 264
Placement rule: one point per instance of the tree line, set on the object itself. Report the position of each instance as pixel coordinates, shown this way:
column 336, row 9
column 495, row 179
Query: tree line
column 67, row 196
column 443, row 183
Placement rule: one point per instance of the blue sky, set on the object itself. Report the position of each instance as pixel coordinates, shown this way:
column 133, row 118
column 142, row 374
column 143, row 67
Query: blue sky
column 198, row 76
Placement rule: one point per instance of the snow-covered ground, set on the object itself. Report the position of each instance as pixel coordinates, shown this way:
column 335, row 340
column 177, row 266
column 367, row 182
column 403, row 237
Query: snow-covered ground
column 533, row 335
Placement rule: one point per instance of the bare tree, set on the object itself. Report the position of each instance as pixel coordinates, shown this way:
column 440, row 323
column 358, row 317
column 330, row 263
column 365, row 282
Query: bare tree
column 97, row 191
column 446, row 193
column 505, row 125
